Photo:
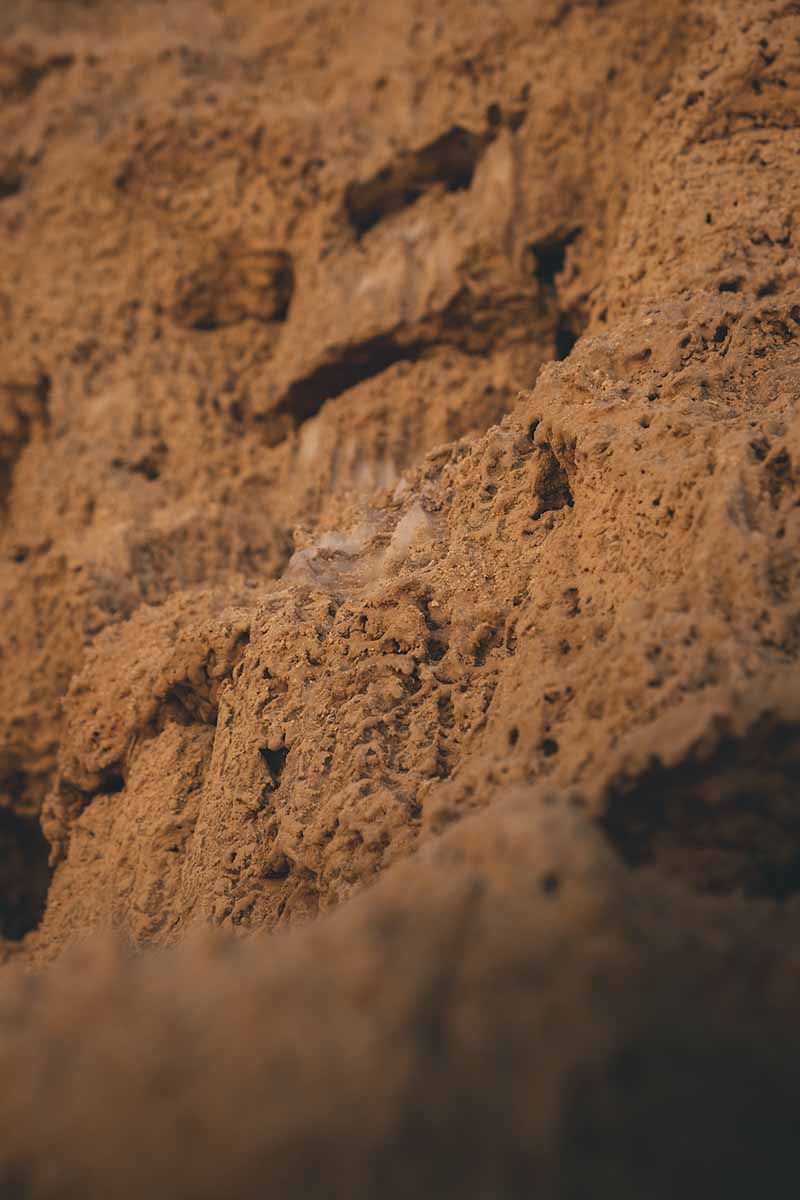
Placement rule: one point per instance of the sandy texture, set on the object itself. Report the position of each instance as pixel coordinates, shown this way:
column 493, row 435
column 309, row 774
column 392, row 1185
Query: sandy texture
column 399, row 487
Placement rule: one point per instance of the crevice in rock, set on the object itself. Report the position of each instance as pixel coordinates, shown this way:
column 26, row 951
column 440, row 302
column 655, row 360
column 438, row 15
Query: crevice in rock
column 10, row 182
column 357, row 363
column 449, row 160
column 553, row 491
column 22, row 73
column 183, row 705
column 473, row 324
column 24, row 874
column 565, row 338
column 113, row 782
column 149, row 464
column 730, row 823
column 274, row 761
column 549, row 255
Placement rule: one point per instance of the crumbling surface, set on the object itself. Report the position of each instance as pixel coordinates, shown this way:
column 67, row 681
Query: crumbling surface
column 399, row 487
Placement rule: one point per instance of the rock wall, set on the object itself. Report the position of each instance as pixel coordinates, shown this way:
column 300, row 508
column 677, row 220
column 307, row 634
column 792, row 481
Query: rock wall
column 399, row 489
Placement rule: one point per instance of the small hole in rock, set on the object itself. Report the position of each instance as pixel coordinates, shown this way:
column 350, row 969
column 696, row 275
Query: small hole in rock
column 450, row 159
column 436, row 651
column 112, row 784
column 550, row 254
column 550, row 884
column 275, row 759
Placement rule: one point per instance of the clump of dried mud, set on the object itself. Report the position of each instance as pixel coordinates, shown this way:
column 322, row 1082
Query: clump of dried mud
column 400, row 515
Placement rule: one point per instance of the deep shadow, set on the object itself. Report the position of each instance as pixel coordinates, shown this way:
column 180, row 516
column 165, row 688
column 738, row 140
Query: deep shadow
column 24, row 874
column 306, row 397
column 564, row 339
column 450, row 160
column 549, row 256
column 729, row 824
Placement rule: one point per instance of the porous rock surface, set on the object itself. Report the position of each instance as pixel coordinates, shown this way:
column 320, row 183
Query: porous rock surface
column 400, row 518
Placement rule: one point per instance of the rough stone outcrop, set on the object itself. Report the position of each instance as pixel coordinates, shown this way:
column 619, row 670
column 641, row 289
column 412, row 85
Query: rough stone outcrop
column 399, row 490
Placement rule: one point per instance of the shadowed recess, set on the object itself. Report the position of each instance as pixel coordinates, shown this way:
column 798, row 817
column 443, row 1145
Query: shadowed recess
column 449, row 160
column 729, row 824
column 564, row 339
column 10, row 183
column 24, row 874
column 306, row 397
column 549, row 256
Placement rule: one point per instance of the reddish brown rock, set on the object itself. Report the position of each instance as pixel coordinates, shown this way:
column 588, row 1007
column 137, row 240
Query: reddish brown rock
column 399, row 500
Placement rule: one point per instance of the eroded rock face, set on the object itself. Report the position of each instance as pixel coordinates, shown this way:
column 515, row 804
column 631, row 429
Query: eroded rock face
column 255, row 261
column 399, row 432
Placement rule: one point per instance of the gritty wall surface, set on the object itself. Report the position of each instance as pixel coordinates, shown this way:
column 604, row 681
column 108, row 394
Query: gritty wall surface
column 399, row 487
